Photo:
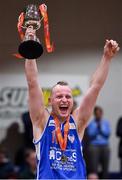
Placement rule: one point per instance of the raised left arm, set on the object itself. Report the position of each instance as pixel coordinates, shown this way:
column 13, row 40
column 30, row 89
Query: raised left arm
column 82, row 114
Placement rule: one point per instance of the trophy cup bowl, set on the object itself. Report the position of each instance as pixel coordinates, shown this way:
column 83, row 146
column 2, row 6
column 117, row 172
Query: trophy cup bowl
column 31, row 47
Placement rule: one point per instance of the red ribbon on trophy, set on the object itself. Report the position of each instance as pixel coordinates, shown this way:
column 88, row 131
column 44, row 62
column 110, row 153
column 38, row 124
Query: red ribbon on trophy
column 43, row 10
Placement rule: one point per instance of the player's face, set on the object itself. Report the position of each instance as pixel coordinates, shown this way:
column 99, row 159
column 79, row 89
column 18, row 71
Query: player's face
column 62, row 101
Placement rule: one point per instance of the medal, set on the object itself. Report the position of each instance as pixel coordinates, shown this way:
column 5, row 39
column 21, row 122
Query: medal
column 61, row 140
column 64, row 158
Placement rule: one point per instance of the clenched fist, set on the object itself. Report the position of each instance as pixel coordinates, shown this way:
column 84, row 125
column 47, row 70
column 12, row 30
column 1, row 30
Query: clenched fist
column 111, row 48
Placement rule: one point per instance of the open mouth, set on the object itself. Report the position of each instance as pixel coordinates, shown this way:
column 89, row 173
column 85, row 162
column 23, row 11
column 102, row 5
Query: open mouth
column 63, row 109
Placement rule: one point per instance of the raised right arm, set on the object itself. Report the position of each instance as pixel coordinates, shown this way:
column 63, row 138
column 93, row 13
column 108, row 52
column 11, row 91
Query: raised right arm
column 37, row 110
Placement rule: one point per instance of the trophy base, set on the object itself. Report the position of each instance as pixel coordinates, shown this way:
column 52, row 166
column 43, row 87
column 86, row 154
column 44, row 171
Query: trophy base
column 30, row 49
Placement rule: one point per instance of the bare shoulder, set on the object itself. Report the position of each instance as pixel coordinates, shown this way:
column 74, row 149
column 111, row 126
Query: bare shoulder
column 79, row 123
column 39, row 128
column 75, row 114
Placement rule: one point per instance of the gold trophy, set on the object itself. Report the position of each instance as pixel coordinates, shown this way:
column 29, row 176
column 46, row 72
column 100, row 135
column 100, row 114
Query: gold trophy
column 30, row 47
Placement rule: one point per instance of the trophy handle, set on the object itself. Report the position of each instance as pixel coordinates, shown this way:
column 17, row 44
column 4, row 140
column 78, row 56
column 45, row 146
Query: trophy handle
column 21, row 33
column 19, row 25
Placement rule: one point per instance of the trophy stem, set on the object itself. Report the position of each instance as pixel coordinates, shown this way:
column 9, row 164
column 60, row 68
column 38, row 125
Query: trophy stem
column 30, row 48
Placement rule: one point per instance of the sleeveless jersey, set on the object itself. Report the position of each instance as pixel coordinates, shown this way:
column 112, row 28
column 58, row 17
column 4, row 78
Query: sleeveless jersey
column 49, row 154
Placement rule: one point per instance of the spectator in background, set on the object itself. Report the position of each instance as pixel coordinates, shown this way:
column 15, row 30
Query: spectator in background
column 7, row 169
column 27, row 139
column 28, row 131
column 29, row 169
column 119, row 134
column 98, row 133
column 13, row 140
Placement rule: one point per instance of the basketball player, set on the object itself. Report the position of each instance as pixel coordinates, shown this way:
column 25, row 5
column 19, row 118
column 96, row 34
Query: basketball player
column 58, row 136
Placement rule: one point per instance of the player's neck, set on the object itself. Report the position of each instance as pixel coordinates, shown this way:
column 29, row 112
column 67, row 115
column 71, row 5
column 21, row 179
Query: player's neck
column 61, row 119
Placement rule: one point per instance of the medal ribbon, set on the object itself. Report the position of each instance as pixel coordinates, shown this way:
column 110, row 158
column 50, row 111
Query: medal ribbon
column 43, row 10
column 62, row 140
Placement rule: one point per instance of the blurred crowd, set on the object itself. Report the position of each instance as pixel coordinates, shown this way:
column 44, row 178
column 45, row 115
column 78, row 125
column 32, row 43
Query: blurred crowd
column 96, row 146
column 17, row 152
column 18, row 157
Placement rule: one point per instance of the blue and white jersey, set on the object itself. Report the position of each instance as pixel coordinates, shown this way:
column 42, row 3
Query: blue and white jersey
column 49, row 154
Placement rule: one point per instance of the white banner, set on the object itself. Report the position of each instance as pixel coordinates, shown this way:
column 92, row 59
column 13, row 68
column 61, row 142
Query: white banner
column 14, row 95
